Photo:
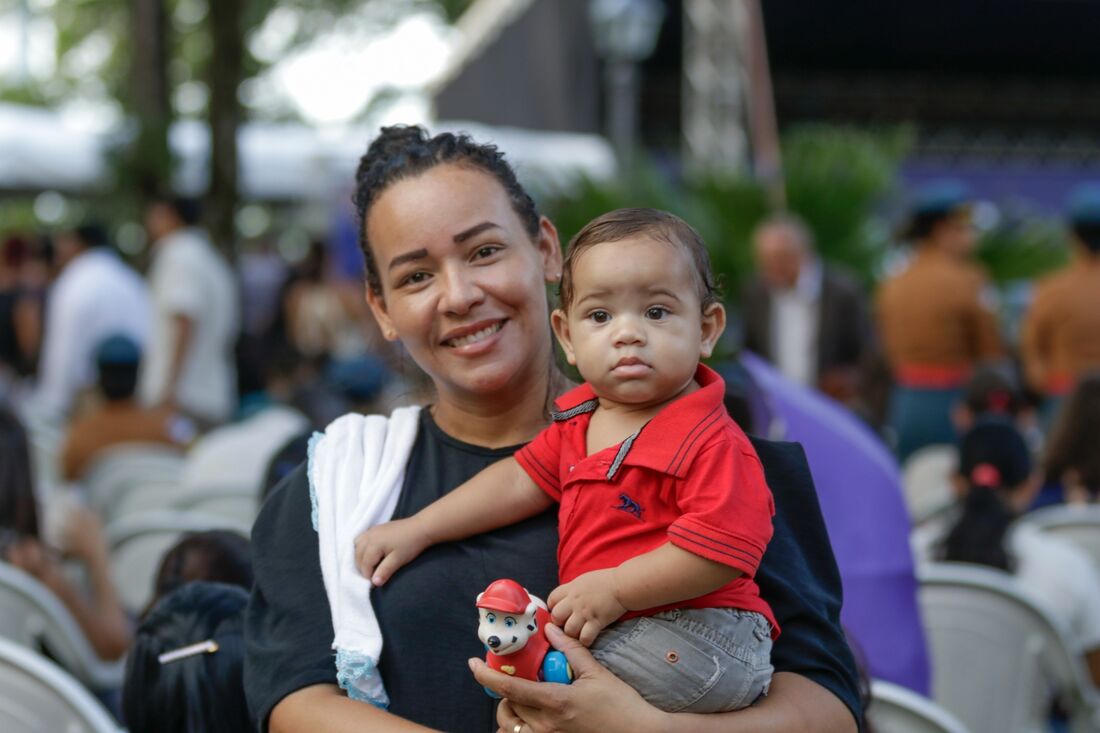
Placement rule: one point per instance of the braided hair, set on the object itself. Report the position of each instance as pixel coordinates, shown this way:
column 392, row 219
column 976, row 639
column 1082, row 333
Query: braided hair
column 406, row 151
column 994, row 461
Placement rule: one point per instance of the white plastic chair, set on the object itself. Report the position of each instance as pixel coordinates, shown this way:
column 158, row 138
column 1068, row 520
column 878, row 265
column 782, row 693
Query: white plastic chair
column 133, row 478
column 895, row 709
column 926, row 480
column 998, row 660
column 36, row 695
column 238, row 504
column 1076, row 523
column 31, row 615
column 138, row 542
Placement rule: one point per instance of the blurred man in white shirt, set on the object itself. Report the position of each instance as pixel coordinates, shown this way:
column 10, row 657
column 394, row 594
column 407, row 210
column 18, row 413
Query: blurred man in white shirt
column 190, row 359
column 96, row 295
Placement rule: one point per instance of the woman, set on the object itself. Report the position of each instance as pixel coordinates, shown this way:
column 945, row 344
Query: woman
column 1072, row 463
column 457, row 263
column 996, row 478
column 100, row 616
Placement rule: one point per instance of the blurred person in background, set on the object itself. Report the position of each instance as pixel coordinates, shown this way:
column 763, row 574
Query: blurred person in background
column 20, row 312
column 1061, row 330
column 936, row 319
column 216, row 556
column 185, row 671
column 997, row 484
column 804, row 316
column 96, row 295
column 120, row 418
column 189, row 363
column 79, row 537
column 1072, row 461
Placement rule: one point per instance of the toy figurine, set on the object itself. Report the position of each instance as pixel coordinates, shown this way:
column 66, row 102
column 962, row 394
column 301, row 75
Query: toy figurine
column 512, row 627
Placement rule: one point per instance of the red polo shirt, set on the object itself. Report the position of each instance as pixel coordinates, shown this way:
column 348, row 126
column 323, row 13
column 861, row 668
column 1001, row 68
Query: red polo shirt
column 689, row 476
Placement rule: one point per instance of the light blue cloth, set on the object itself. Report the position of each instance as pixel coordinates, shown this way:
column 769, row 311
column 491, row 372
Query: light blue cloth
column 859, row 487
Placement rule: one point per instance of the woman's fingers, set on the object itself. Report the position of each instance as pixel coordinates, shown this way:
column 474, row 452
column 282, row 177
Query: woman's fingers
column 519, row 691
column 580, row 659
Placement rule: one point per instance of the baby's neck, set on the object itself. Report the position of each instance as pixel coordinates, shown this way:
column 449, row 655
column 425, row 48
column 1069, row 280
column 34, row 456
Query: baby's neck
column 613, row 422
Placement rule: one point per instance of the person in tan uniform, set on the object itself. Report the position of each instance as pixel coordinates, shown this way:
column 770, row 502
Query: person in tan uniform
column 936, row 319
column 120, row 419
column 1061, row 331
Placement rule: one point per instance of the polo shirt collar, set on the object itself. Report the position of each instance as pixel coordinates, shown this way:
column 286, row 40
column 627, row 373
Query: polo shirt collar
column 669, row 441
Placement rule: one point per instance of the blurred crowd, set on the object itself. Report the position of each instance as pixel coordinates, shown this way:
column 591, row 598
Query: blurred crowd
column 212, row 375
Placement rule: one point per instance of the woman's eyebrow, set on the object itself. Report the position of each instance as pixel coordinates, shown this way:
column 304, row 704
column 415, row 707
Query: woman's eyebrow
column 401, row 259
column 474, row 231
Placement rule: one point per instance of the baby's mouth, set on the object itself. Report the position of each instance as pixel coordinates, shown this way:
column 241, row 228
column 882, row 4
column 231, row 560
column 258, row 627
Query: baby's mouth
column 473, row 338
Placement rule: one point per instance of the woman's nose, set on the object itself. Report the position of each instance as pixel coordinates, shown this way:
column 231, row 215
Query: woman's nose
column 460, row 291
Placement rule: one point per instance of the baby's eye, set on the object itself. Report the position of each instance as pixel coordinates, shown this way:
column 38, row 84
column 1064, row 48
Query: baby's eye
column 509, row 622
column 656, row 313
column 599, row 316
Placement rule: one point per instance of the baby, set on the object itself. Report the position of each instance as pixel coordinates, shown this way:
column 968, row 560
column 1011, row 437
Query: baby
column 663, row 510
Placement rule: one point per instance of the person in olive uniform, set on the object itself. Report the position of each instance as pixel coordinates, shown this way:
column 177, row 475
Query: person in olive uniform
column 936, row 319
column 1059, row 341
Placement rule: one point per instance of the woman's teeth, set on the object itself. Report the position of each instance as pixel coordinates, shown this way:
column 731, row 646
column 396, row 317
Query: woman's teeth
column 473, row 338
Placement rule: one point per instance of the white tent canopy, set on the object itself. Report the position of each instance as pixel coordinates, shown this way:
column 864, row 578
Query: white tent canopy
column 41, row 150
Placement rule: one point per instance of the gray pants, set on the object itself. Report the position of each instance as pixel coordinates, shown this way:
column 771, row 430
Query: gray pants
column 691, row 660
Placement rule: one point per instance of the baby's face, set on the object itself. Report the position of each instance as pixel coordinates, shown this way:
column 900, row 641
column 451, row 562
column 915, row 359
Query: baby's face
column 635, row 329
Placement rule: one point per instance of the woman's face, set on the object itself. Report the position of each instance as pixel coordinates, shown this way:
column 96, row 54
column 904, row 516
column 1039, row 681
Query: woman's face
column 463, row 284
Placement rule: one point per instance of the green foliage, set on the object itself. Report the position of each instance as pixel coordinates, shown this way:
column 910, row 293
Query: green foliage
column 1022, row 249
column 835, row 179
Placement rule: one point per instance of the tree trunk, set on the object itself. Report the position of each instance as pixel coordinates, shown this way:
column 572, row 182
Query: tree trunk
column 150, row 159
column 224, row 75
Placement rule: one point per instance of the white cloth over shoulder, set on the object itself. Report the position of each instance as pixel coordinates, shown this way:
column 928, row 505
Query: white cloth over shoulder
column 356, row 471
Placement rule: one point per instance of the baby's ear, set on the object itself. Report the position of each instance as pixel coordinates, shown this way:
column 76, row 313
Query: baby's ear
column 713, row 325
column 560, row 323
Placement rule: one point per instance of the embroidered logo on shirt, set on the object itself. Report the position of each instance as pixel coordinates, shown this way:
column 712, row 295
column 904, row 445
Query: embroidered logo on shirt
column 631, row 507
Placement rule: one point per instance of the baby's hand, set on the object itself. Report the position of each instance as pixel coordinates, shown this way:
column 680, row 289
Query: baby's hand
column 381, row 550
column 585, row 606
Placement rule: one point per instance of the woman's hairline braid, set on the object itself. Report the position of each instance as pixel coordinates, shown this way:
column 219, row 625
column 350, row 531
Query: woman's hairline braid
column 395, row 155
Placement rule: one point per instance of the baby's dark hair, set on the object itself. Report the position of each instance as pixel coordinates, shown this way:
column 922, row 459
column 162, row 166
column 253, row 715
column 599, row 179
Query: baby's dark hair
column 662, row 226
column 405, row 151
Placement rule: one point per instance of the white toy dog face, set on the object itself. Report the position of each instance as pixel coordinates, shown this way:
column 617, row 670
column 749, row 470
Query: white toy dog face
column 505, row 633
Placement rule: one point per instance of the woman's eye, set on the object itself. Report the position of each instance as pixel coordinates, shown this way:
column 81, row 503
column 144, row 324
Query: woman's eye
column 487, row 251
column 414, row 278
column 600, row 316
column 656, row 313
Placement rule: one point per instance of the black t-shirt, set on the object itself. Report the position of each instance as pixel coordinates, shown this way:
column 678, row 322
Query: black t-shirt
column 426, row 611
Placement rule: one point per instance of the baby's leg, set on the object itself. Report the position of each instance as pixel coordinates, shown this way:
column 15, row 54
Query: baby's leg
column 691, row 660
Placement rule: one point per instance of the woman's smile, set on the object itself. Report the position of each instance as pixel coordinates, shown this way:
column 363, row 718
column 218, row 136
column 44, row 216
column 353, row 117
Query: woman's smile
column 476, row 335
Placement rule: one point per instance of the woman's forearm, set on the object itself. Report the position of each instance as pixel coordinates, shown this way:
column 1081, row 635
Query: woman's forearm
column 326, row 709
column 794, row 703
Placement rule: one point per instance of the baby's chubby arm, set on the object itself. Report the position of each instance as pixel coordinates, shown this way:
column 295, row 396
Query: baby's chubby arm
column 500, row 495
column 668, row 574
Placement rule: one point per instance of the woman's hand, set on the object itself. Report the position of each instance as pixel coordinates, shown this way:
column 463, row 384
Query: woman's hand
column 585, row 606
column 596, row 701
column 82, row 536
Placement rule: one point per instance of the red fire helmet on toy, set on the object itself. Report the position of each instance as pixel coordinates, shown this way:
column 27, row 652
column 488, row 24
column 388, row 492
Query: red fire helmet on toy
column 505, row 595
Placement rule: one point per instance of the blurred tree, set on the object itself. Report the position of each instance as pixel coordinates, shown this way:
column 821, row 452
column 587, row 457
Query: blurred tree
column 157, row 60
